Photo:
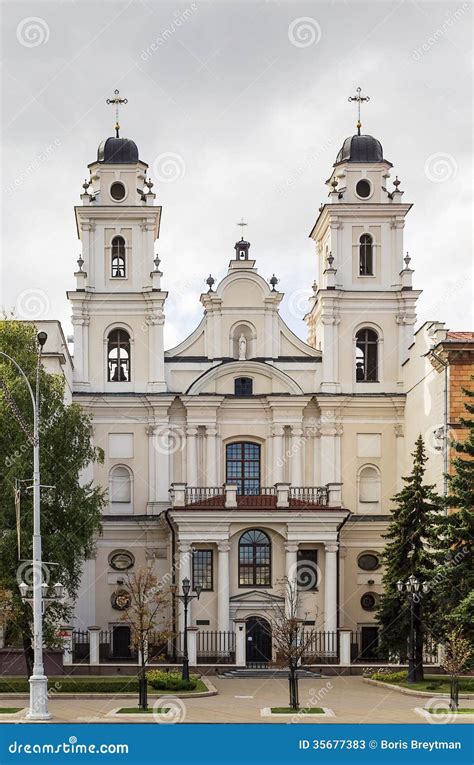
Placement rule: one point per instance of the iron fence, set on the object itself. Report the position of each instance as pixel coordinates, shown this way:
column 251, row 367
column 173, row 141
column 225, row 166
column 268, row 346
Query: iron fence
column 215, row 647
column 320, row 647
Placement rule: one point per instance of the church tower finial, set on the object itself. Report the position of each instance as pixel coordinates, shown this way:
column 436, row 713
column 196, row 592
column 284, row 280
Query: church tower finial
column 242, row 224
column 117, row 101
column 242, row 247
column 359, row 99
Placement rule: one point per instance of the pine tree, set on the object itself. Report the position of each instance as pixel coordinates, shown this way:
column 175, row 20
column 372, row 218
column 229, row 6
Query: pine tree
column 453, row 535
column 70, row 508
column 406, row 553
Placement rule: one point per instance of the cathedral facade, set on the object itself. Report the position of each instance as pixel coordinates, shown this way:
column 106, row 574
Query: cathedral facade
column 244, row 455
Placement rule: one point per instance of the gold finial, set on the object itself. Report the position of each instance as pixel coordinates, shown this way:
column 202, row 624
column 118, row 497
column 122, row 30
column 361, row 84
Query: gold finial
column 117, row 101
column 359, row 99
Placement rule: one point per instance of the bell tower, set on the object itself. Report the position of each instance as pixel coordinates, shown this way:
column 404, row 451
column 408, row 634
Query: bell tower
column 117, row 306
column 363, row 310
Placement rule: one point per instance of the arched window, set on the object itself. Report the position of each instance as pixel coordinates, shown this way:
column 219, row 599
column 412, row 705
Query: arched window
column 118, row 257
column 366, row 355
column 120, row 490
column 366, row 257
column 255, row 559
column 243, row 467
column 369, row 488
column 243, row 386
column 118, row 356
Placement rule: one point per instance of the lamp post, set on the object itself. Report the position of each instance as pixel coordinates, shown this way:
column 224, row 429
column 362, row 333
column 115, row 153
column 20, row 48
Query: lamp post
column 186, row 598
column 412, row 588
column 38, row 681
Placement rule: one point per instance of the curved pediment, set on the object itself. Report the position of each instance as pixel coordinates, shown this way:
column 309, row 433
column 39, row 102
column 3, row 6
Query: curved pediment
column 266, row 379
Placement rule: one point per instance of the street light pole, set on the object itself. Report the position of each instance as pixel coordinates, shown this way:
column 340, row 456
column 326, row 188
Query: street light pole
column 412, row 587
column 38, row 681
column 186, row 598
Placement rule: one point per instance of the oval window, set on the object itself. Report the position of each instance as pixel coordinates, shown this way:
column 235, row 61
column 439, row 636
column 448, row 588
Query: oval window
column 117, row 191
column 368, row 601
column 363, row 189
column 121, row 560
column 368, row 562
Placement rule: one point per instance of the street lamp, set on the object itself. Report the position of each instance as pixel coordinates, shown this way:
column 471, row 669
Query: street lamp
column 412, row 588
column 38, row 681
column 186, row 598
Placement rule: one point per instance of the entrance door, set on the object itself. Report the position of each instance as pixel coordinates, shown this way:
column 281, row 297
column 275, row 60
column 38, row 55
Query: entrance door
column 121, row 642
column 259, row 642
column 369, row 642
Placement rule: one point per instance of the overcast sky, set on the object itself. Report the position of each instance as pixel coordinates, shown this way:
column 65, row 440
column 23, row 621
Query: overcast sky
column 240, row 109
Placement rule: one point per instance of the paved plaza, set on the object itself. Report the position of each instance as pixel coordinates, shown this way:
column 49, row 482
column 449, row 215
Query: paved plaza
column 241, row 701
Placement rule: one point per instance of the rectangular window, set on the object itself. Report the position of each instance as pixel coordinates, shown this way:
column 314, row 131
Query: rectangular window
column 202, row 569
column 243, row 467
column 307, row 575
column 243, row 386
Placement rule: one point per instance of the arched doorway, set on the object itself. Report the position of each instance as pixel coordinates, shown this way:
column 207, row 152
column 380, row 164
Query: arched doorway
column 258, row 642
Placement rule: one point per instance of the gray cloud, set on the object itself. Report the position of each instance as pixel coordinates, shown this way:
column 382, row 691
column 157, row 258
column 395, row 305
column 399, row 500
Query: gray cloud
column 249, row 100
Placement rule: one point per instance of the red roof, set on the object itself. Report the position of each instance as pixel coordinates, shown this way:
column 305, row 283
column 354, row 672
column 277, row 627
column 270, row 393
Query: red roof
column 463, row 336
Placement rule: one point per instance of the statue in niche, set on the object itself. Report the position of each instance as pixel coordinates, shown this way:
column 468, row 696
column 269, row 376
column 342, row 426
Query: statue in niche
column 242, row 347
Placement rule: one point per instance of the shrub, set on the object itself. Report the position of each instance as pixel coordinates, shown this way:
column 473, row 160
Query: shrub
column 170, row 681
column 389, row 677
column 435, row 686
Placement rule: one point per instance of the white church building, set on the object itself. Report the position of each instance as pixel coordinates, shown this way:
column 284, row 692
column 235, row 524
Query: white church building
column 245, row 455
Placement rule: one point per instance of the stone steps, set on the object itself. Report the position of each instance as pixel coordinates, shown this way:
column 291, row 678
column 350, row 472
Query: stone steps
column 273, row 673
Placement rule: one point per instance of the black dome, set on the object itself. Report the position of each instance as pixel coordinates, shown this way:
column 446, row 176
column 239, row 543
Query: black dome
column 360, row 148
column 119, row 151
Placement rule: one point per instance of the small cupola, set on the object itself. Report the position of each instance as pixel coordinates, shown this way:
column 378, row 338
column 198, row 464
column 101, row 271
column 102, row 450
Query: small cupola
column 242, row 250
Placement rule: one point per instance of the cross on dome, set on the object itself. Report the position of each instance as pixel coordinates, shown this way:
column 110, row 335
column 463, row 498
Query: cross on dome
column 242, row 224
column 117, row 101
column 359, row 100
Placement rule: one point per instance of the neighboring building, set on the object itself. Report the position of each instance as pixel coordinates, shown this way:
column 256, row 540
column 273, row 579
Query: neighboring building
column 439, row 366
column 310, row 440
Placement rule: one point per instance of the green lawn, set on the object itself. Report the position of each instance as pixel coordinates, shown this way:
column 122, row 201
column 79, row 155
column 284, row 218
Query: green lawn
column 9, row 710
column 78, row 684
column 460, row 711
column 300, row 711
column 435, row 684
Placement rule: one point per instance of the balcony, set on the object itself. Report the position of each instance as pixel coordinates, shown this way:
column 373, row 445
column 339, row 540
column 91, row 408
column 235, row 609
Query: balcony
column 279, row 496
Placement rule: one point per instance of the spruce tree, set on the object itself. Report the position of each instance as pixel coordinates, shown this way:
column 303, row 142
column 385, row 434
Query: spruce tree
column 406, row 553
column 453, row 582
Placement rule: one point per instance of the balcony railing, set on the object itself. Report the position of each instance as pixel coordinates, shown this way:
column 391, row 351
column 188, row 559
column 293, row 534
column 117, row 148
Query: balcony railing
column 314, row 495
column 281, row 495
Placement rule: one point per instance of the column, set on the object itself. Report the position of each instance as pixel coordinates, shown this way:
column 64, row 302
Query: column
column 277, row 467
column 211, row 456
column 240, row 642
column 291, row 549
column 191, row 456
column 184, row 570
column 297, row 447
column 345, row 648
column 163, row 448
column 192, row 646
column 156, row 372
column 330, row 587
column 223, row 586
column 94, row 645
